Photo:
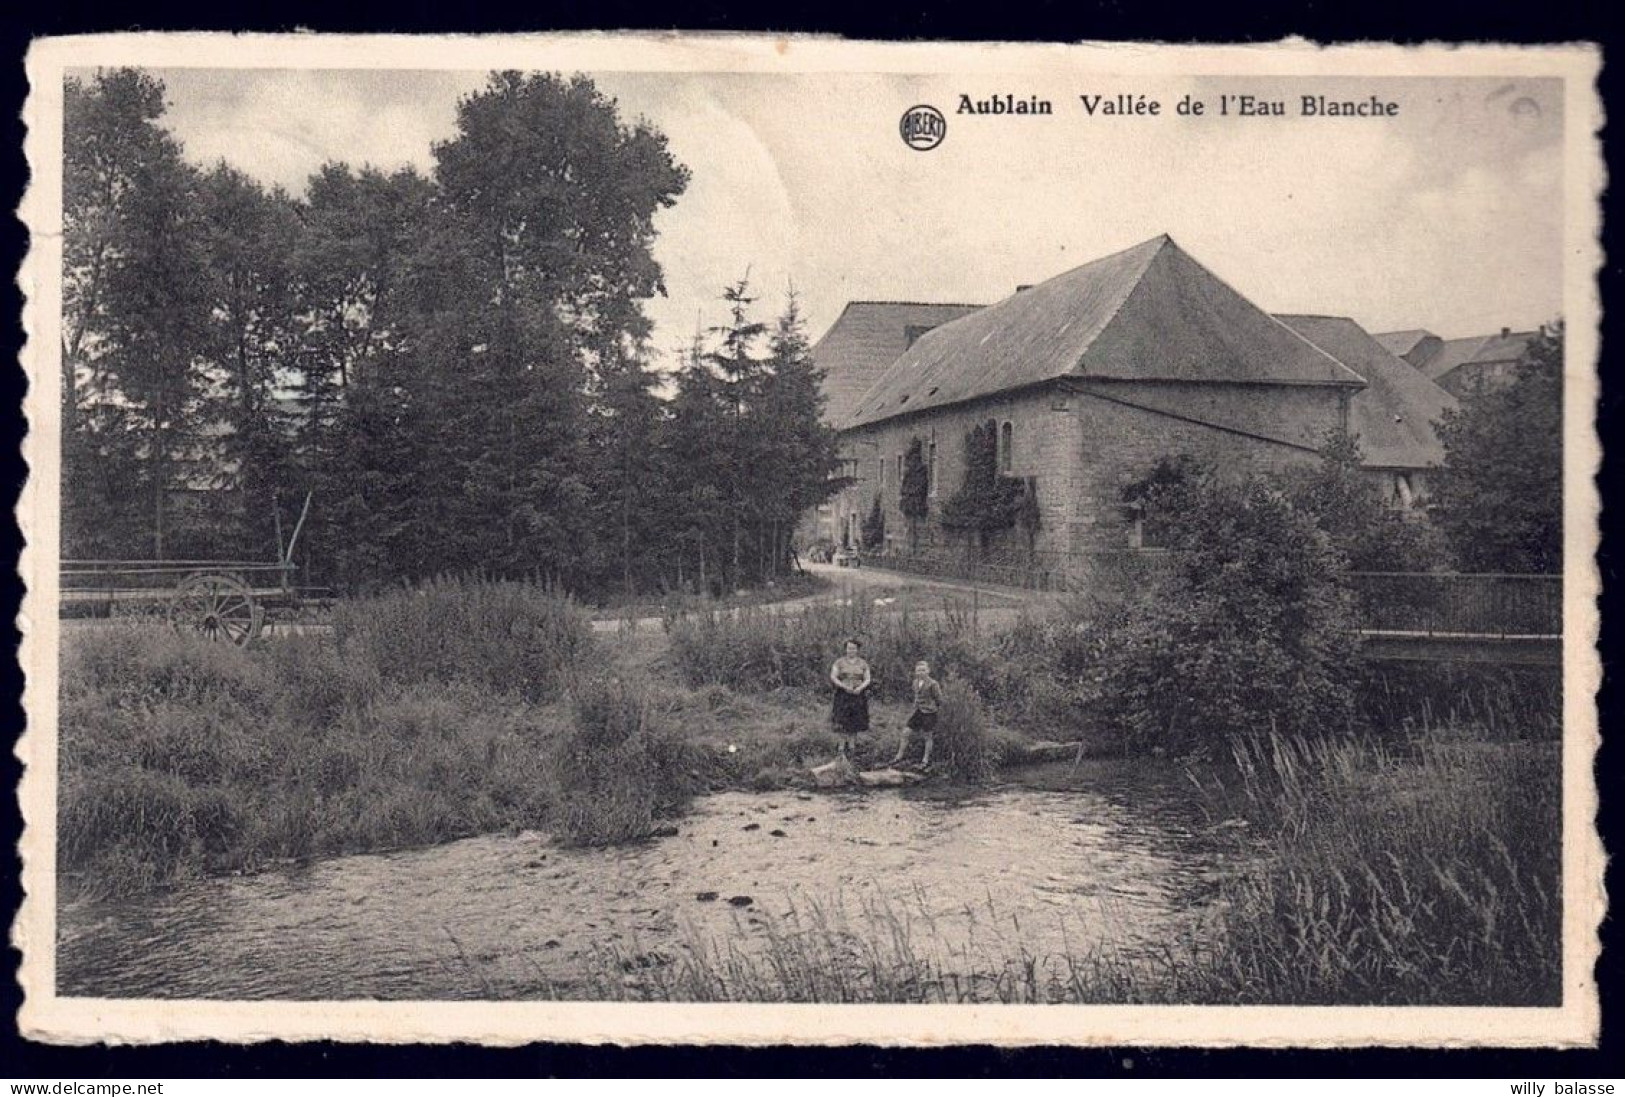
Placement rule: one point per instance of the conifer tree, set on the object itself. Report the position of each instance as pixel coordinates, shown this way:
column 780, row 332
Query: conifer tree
column 914, row 496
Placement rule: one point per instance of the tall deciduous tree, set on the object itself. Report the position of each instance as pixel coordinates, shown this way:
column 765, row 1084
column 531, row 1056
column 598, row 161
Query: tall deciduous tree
column 1500, row 494
column 133, row 312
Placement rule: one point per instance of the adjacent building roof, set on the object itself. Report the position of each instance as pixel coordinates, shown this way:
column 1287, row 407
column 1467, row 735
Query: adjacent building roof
column 1394, row 413
column 1401, row 343
column 1151, row 313
column 1508, row 346
column 866, row 338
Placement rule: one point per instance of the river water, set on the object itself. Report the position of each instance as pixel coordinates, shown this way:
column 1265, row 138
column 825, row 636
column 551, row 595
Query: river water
column 1123, row 867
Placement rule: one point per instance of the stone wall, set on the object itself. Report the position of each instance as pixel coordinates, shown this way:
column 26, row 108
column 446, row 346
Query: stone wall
column 1085, row 443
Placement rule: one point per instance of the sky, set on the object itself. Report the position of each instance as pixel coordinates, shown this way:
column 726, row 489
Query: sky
column 1446, row 217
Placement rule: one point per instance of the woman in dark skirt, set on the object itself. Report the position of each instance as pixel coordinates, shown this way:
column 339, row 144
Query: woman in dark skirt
column 850, row 712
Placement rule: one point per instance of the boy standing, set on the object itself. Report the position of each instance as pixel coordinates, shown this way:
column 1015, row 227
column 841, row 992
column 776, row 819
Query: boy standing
column 927, row 700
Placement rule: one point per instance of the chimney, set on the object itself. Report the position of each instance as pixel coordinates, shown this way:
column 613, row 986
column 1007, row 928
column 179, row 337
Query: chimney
column 1024, row 288
column 1505, row 332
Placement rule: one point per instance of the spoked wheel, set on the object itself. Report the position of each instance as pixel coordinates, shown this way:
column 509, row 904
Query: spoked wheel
column 218, row 607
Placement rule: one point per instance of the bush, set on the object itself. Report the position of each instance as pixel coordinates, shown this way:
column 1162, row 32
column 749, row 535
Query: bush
column 964, row 746
column 507, row 636
column 619, row 767
column 1254, row 631
column 760, row 651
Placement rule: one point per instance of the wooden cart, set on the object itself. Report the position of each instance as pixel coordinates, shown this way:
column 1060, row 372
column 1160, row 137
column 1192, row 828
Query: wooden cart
column 222, row 600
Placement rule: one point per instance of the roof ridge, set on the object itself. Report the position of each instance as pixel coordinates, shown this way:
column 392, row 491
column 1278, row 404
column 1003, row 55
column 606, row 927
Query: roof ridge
column 1162, row 242
column 923, row 304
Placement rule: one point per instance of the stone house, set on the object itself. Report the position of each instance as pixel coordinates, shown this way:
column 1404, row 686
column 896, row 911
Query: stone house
column 1090, row 379
column 1462, row 367
column 1393, row 416
column 866, row 339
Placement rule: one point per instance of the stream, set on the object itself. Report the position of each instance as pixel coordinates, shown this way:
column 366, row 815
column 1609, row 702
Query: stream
column 1123, row 867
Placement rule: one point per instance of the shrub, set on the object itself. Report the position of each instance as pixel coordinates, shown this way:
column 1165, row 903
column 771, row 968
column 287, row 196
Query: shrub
column 150, row 663
column 760, row 651
column 964, row 746
column 179, row 756
column 318, row 680
column 1368, row 533
column 619, row 767
column 508, row 636
column 1253, row 631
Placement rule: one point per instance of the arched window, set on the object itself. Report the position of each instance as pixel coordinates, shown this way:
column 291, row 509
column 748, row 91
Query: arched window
column 1006, row 446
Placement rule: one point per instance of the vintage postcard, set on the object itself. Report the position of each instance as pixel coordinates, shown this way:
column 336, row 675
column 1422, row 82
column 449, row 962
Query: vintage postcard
column 728, row 539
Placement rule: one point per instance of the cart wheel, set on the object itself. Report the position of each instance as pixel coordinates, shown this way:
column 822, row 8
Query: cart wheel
column 219, row 607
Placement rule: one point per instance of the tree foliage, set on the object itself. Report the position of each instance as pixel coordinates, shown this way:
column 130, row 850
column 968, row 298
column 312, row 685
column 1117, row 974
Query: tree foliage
column 874, row 527
column 914, row 494
column 986, row 502
column 1347, row 503
column 1252, row 632
column 454, row 365
column 1500, row 494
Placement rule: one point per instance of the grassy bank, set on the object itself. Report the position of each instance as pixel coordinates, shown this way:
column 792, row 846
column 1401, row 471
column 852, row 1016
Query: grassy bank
column 439, row 713
column 1418, row 865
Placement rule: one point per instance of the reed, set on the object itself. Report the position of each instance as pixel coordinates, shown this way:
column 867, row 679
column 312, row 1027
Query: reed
column 179, row 756
column 1369, row 874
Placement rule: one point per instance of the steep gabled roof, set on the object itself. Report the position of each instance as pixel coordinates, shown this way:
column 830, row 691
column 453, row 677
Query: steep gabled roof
column 865, row 339
column 1401, row 343
column 1455, row 352
column 1503, row 348
column 1151, row 313
column 1477, row 349
column 1394, row 413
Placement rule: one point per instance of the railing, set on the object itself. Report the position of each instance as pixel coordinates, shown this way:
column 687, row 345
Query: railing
column 1041, row 570
column 1462, row 605
column 1418, row 603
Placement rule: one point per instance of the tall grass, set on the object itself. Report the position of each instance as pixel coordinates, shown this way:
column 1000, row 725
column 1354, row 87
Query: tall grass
column 508, row 636
column 621, row 765
column 420, row 720
column 760, row 651
column 886, row 950
column 1426, row 873
column 963, row 745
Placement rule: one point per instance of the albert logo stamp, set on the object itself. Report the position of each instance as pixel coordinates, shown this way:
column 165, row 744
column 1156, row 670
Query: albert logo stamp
column 923, row 127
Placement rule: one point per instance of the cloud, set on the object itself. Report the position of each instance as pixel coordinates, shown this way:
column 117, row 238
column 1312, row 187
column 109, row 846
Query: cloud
column 1447, row 216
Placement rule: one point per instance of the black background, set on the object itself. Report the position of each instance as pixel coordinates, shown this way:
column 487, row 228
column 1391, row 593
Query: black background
column 1074, row 20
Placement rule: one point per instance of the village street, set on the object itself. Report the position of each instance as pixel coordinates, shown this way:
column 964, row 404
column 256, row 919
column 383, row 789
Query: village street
column 890, row 591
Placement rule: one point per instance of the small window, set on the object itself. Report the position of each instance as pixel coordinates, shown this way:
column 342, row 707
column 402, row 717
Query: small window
column 1006, row 447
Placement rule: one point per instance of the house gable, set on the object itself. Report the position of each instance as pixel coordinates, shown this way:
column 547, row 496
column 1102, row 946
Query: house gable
column 1150, row 313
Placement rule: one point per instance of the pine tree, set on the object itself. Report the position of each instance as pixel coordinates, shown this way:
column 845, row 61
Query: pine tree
column 914, row 495
column 874, row 527
column 802, row 451
column 986, row 502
